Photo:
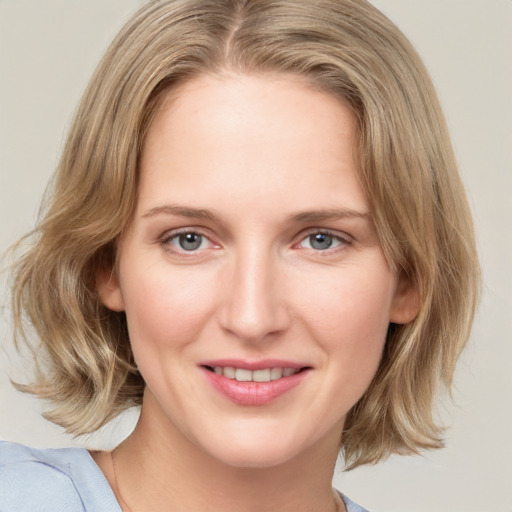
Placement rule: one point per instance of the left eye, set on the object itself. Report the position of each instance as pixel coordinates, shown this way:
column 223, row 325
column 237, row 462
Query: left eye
column 321, row 241
column 189, row 241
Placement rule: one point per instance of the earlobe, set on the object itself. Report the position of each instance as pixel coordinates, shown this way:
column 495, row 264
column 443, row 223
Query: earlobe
column 406, row 302
column 109, row 290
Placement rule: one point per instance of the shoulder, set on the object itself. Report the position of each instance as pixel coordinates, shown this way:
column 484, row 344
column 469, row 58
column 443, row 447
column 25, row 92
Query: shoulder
column 30, row 479
column 350, row 505
column 64, row 479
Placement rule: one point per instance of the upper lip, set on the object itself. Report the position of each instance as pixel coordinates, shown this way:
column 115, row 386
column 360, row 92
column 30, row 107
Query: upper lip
column 261, row 364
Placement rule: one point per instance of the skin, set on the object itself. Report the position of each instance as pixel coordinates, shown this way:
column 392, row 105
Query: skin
column 259, row 154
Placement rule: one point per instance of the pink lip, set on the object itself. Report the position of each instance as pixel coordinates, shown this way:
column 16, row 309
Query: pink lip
column 253, row 393
column 253, row 365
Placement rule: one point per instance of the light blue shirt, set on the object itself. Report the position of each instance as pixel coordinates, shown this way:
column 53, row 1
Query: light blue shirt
column 60, row 480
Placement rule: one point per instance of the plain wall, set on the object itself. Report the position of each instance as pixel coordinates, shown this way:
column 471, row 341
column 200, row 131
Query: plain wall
column 48, row 50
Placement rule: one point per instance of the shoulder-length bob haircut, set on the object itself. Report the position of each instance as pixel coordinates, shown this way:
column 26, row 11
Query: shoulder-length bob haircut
column 346, row 48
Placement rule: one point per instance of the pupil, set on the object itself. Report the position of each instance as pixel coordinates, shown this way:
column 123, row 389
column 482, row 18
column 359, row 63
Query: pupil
column 320, row 241
column 190, row 241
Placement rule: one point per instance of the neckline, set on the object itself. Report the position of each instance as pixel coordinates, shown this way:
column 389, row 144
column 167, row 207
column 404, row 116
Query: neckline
column 94, row 484
column 107, row 489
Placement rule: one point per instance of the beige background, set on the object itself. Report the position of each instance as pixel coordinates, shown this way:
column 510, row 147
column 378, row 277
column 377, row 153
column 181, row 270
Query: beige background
column 48, row 49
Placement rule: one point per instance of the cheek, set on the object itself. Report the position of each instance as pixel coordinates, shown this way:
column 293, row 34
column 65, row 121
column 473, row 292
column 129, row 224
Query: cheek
column 347, row 314
column 165, row 309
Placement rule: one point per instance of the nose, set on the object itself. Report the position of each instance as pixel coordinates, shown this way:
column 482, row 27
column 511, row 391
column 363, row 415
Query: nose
column 254, row 306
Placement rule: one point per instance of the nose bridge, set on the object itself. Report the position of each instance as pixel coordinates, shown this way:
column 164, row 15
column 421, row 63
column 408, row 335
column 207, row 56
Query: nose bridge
column 254, row 305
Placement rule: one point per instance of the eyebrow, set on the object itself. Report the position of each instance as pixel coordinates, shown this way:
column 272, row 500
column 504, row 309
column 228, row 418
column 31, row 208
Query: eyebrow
column 306, row 216
column 329, row 214
column 182, row 211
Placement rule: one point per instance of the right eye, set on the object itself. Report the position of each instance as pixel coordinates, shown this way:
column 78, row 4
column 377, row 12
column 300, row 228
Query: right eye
column 186, row 242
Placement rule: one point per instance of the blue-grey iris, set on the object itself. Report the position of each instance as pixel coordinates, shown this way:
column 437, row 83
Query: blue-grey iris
column 190, row 241
column 320, row 241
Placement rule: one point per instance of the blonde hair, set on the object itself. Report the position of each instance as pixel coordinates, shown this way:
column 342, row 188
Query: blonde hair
column 408, row 171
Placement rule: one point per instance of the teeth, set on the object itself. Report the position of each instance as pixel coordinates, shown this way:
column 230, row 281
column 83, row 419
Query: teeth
column 242, row 375
column 276, row 373
column 265, row 375
column 261, row 375
column 229, row 372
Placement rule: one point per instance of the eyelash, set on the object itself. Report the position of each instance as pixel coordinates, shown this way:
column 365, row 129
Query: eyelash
column 168, row 237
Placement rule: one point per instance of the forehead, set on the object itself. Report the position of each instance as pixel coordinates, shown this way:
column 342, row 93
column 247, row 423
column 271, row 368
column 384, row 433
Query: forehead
column 252, row 138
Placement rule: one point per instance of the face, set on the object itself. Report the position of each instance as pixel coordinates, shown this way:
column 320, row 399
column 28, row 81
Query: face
column 256, row 292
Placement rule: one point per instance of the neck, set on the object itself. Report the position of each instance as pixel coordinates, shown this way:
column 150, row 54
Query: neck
column 156, row 467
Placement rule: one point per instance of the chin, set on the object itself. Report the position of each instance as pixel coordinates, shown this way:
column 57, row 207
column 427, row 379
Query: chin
column 256, row 449
column 255, row 457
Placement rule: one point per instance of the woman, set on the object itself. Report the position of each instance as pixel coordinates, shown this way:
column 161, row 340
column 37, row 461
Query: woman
column 235, row 240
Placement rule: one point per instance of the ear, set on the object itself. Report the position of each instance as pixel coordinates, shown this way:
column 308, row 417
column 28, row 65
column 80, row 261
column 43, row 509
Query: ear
column 109, row 290
column 406, row 302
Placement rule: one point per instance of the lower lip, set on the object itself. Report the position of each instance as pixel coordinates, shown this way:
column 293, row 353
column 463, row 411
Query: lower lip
column 254, row 393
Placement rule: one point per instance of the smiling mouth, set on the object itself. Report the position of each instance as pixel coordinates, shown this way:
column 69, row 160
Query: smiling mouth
column 261, row 375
